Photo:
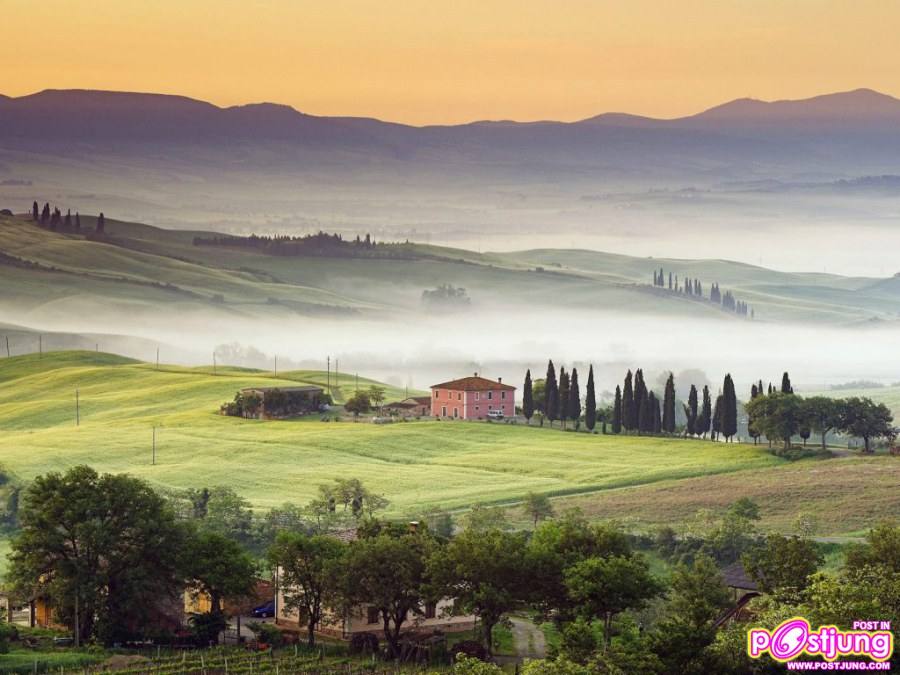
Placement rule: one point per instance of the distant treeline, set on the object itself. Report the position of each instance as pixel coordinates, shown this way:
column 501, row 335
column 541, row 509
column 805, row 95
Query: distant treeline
column 53, row 219
column 694, row 288
column 321, row 243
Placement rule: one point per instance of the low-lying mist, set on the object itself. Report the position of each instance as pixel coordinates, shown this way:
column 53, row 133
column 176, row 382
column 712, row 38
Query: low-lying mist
column 416, row 350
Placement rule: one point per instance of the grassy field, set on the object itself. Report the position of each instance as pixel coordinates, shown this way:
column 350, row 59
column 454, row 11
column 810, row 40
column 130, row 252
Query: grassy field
column 141, row 269
column 416, row 465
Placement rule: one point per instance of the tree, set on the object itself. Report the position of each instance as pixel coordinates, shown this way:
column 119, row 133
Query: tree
column 606, row 586
column 617, row 412
column 590, row 402
column 551, row 394
column 668, row 416
column 881, row 549
column 308, row 567
column 640, row 395
column 717, row 415
column 68, row 220
column 486, row 573
column 786, row 387
column 629, row 414
column 783, row 565
column 376, row 396
column 865, row 419
column 481, row 518
column 563, row 403
column 45, row 214
column 218, row 567
column 101, row 224
column 755, row 390
column 358, row 404
column 388, row 573
column 537, row 507
column 573, row 411
column 777, row 415
column 34, row 211
column 704, row 418
column 77, row 221
column 527, row 398
column 229, row 514
column 354, row 498
column 103, row 547
column 823, row 415
column 690, row 411
column 697, row 597
column 729, row 413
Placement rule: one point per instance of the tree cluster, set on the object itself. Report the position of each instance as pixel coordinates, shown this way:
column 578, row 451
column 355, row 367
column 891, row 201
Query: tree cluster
column 560, row 399
column 693, row 288
column 318, row 244
column 53, row 219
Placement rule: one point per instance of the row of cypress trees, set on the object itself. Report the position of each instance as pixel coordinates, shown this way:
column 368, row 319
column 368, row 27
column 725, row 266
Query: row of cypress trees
column 54, row 219
column 562, row 398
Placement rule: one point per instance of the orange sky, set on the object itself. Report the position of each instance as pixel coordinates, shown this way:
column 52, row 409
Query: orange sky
column 426, row 61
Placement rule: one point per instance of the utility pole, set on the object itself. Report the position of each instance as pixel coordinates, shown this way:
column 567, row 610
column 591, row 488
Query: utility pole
column 7, row 346
column 157, row 358
column 276, row 365
column 77, row 409
column 328, row 372
column 153, row 460
column 40, row 346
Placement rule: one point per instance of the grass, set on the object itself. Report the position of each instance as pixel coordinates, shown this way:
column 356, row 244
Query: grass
column 416, row 465
column 24, row 660
column 146, row 269
column 845, row 496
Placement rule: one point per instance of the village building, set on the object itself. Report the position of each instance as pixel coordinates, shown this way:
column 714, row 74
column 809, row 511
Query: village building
column 432, row 618
column 414, row 406
column 473, row 398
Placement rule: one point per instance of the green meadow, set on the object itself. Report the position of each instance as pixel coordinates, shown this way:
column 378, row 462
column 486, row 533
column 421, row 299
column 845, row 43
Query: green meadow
column 416, row 465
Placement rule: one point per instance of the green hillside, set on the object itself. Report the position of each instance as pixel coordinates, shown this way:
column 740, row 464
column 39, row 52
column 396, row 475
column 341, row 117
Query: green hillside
column 416, row 465
column 140, row 269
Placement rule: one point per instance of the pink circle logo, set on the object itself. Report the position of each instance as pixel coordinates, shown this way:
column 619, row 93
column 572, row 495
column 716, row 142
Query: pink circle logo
column 789, row 639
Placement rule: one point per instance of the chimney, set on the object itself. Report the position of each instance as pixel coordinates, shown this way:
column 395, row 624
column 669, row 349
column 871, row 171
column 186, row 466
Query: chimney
column 499, row 380
column 476, row 374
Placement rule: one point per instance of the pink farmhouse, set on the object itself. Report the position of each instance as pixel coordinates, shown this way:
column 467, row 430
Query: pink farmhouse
column 472, row 398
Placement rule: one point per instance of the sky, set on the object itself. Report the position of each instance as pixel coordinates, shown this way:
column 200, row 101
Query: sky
column 433, row 62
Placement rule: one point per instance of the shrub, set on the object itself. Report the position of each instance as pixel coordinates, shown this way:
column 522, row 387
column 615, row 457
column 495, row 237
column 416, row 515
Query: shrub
column 470, row 649
column 267, row 633
column 364, row 643
column 469, row 665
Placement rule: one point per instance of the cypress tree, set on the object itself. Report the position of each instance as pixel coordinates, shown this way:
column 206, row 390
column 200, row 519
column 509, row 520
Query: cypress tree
column 690, row 411
column 786, row 387
column 574, row 410
column 645, row 414
column 68, row 220
column 101, row 224
column 45, row 213
column 563, row 396
column 751, row 427
column 77, row 221
column 717, row 417
column 527, row 398
column 657, row 415
column 729, row 414
column 640, row 395
column 628, row 416
column 590, row 402
column 551, row 394
column 705, row 416
column 668, row 415
column 617, row 412
column 34, row 211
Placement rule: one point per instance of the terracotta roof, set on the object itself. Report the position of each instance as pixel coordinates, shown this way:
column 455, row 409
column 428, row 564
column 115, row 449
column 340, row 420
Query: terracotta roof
column 473, row 383
column 421, row 400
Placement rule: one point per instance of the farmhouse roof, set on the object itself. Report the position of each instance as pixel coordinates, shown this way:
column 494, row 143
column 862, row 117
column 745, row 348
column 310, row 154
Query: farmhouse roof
column 735, row 576
column 473, row 383
column 310, row 389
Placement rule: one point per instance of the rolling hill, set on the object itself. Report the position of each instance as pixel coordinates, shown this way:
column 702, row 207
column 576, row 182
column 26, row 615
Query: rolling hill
column 144, row 272
column 416, row 465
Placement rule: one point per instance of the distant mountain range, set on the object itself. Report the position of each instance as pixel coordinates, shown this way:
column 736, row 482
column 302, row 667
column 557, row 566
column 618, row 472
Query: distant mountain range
column 172, row 159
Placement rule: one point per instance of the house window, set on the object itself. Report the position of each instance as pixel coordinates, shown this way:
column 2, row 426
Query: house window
column 477, row 395
column 456, row 412
column 372, row 615
column 443, row 411
column 503, row 394
column 430, row 610
column 459, row 396
column 435, row 393
column 490, row 395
